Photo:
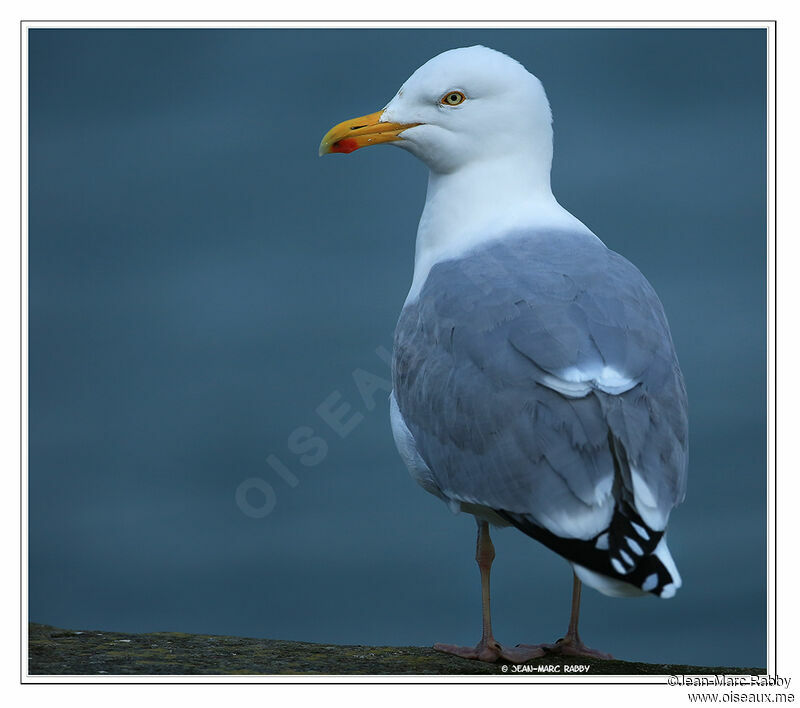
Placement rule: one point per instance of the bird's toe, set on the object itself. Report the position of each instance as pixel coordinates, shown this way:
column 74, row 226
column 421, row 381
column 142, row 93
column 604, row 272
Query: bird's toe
column 489, row 651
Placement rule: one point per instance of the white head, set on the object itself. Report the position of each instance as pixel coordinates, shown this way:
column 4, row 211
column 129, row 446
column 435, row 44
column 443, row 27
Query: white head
column 482, row 124
column 464, row 105
column 472, row 104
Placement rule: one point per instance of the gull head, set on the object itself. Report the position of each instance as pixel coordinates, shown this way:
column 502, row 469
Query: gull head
column 462, row 106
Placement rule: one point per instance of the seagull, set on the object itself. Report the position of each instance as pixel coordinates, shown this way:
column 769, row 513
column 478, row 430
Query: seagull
column 535, row 381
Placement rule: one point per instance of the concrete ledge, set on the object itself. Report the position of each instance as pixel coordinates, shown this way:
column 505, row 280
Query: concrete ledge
column 54, row 651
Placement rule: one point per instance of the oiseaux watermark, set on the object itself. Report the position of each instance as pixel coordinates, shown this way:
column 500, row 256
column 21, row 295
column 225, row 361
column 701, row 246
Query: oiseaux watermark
column 308, row 445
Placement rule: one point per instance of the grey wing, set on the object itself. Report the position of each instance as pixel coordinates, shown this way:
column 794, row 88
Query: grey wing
column 538, row 377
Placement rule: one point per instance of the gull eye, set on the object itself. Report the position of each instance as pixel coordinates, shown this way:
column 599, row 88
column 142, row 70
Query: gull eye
column 453, row 98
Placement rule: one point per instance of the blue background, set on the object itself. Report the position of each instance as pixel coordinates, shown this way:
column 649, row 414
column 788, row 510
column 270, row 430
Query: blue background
column 200, row 282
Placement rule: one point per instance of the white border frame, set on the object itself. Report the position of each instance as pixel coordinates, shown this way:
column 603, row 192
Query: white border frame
column 770, row 26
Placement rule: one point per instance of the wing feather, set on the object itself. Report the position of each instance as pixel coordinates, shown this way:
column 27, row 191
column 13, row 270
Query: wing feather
column 476, row 357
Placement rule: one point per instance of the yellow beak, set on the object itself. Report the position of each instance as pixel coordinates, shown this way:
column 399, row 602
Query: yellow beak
column 360, row 132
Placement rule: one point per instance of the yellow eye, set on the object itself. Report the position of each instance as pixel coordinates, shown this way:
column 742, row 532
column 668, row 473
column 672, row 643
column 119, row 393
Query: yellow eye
column 453, row 98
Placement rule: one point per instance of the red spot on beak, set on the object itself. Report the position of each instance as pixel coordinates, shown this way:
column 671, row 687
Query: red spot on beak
column 345, row 145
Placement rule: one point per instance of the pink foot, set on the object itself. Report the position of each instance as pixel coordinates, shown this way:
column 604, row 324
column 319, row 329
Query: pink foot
column 567, row 646
column 490, row 651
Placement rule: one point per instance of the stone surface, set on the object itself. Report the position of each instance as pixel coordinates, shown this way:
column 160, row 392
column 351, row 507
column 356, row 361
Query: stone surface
column 63, row 652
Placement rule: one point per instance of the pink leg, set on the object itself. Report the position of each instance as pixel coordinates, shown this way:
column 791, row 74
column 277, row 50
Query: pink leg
column 570, row 644
column 488, row 649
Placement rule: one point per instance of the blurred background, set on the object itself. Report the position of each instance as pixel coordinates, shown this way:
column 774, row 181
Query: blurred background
column 201, row 283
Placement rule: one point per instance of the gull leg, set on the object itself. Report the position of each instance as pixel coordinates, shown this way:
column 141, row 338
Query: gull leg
column 487, row 649
column 572, row 629
column 570, row 644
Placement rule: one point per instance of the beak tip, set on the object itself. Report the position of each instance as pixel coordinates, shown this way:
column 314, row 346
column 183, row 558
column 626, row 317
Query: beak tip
column 353, row 134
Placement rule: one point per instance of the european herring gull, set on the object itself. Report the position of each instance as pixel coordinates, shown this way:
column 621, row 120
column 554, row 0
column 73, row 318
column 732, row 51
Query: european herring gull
column 535, row 380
